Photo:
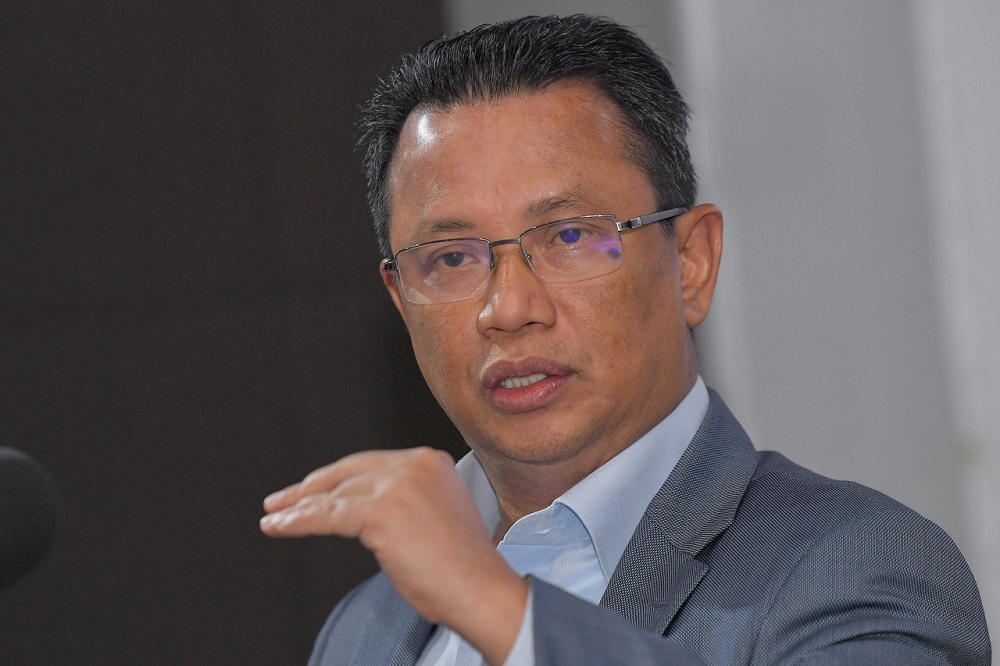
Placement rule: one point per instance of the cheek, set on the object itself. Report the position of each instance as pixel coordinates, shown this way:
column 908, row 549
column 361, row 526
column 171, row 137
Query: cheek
column 440, row 350
column 594, row 317
column 637, row 318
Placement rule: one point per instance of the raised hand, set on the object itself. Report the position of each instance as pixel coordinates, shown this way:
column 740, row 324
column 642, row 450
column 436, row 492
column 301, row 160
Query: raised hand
column 412, row 511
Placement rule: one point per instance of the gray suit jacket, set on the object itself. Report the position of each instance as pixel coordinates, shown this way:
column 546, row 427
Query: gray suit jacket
column 741, row 558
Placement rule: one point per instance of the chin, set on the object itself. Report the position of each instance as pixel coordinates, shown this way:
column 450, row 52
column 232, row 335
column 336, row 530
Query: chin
column 539, row 450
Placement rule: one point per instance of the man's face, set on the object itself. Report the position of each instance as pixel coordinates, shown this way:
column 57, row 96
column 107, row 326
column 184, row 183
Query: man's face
column 608, row 357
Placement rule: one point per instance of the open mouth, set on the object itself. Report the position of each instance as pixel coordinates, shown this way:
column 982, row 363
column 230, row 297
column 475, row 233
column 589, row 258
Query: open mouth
column 522, row 382
column 525, row 384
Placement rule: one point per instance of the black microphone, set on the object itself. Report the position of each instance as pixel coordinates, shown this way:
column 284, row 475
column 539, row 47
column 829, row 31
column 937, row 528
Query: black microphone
column 31, row 515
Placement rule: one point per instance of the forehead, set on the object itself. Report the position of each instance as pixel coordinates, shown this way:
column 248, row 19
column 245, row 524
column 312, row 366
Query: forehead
column 502, row 157
column 560, row 110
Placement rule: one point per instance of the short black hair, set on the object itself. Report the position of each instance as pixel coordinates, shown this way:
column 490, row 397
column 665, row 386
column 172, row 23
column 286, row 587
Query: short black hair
column 526, row 55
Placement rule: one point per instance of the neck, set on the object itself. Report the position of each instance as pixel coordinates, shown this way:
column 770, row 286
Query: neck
column 526, row 486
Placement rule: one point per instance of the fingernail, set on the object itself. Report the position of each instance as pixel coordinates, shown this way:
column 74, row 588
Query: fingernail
column 269, row 521
column 272, row 498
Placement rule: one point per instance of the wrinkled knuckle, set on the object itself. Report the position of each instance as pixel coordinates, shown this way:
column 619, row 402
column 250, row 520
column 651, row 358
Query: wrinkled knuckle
column 444, row 458
column 432, row 457
column 330, row 503
column 421, row 452
column 420, row 457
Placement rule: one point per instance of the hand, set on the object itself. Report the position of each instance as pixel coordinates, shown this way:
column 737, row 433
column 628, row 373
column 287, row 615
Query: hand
column 412, row 511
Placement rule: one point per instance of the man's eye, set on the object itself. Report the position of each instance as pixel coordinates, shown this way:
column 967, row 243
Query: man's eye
column 453, row 259
column 571, row 235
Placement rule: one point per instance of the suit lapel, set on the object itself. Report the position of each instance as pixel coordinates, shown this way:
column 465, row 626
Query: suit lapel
column 659, row 568
column 652, row 580
column 412, row 640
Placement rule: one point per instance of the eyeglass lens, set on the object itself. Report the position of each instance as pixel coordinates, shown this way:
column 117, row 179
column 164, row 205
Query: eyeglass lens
column 558, row 252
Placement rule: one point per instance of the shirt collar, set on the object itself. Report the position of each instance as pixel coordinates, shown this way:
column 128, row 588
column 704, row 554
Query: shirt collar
column 610, row 501
column 485, row 498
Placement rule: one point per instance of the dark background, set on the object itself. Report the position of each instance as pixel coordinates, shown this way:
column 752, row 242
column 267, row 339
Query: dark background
column 191, row 315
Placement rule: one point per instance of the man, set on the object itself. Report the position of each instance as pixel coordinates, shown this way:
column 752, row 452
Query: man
column 535, row 203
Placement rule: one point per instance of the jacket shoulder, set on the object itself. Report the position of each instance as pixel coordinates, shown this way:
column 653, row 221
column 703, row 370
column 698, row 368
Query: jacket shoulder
column 831, row 562
column 365, row 627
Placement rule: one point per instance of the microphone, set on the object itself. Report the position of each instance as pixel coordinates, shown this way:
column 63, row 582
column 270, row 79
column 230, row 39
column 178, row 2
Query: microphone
column 31, row 515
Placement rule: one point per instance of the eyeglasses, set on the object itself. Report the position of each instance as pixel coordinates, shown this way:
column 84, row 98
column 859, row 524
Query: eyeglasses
column 570, row 250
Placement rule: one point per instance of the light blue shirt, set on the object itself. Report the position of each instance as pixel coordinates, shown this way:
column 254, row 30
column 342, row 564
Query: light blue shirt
column 576, row 542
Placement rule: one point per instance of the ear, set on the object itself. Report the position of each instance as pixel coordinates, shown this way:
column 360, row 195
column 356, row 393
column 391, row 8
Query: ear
column 389, row 280
column 698, row 235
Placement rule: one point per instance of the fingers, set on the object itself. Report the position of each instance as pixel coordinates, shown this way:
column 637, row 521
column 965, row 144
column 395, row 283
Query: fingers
column 335, row 499
column 339, row 511
column 316, row 515
column 325, row 478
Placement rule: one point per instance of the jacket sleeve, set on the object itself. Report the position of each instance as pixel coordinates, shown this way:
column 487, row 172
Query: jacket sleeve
column 880, row 589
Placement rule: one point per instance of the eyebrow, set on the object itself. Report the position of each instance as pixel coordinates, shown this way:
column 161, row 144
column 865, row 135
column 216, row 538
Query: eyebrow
column 450, row 225
column 573, row 198
column 543, row 208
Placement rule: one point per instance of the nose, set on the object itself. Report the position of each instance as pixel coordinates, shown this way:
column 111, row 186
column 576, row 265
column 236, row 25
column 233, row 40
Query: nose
column 515, row 297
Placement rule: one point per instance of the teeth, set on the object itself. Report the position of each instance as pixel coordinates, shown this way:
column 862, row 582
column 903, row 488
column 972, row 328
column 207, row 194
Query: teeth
column 521, row 382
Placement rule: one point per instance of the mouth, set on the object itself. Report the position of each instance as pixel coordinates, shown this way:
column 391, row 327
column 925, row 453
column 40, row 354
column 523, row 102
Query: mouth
column 522, row 382
column 525, row 385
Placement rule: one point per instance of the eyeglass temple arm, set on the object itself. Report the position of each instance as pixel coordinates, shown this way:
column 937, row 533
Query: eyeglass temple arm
column 652, row 218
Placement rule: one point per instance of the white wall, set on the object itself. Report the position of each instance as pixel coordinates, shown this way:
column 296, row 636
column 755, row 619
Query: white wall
column 853, row 148
column 959, row 60
column 812, row 141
